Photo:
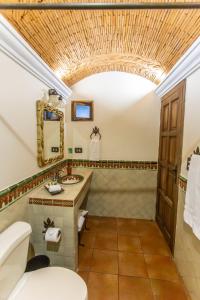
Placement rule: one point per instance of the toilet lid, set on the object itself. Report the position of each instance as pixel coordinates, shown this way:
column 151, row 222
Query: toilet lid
column 52, row 283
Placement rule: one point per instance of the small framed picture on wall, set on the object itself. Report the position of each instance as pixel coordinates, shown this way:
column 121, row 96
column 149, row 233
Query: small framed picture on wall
column 82, row 110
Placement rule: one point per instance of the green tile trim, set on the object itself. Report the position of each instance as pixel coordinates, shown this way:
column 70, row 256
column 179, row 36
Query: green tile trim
column 13, row 193
column 29, row 179
column 182, row 183
column 183, row 178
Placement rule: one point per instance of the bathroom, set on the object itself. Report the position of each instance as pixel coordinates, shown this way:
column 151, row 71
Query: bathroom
column 122, row 183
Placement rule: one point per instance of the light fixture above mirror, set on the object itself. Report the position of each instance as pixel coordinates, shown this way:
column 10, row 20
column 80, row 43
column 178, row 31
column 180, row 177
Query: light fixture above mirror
column 55, row 99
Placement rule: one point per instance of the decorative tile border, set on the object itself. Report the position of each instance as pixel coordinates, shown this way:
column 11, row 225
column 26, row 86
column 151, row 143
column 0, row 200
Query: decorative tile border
column 15, row 192
column 114, row 164
column 182, row 183
column 51, row 202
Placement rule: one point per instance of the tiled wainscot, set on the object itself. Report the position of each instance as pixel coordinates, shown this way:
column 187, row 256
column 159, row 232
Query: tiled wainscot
column 187, row 248
column 124, row 193
column 125, row 189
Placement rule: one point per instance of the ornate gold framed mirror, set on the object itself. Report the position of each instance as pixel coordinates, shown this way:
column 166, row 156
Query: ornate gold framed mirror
column 50, row 134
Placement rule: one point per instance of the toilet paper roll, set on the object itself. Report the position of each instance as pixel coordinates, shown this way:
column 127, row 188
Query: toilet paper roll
column 81, row 221
column 53, row 235
column 83, row 212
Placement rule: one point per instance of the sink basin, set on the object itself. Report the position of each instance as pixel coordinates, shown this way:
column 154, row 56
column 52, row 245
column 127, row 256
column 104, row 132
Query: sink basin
column 71, row 179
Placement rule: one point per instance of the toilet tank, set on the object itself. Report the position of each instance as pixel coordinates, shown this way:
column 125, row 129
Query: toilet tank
column 14, row 242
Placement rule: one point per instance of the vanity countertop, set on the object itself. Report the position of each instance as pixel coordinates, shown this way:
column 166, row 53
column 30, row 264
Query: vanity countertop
column 68, row 197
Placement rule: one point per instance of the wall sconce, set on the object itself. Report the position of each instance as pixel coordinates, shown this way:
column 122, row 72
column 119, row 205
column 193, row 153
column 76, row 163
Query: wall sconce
column 55, row 99
column 61, row 102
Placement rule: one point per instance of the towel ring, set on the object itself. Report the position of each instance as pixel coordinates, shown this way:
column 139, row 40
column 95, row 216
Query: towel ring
column 95, row 131
column 197, row 152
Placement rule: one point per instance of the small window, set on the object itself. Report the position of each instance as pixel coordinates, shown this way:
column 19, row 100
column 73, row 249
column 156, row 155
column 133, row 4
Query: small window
column 82, row 110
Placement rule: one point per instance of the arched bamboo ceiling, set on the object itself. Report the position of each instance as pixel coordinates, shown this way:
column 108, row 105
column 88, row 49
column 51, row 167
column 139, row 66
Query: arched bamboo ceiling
column 76, row 44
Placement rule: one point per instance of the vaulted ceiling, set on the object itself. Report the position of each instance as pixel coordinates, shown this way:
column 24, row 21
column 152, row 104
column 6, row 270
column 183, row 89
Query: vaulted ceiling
column 76, row 44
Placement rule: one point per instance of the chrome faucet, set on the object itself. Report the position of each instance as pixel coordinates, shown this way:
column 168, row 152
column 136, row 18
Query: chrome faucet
column 57, row 175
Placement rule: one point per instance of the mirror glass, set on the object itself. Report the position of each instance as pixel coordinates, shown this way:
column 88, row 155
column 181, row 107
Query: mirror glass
column 50, row 127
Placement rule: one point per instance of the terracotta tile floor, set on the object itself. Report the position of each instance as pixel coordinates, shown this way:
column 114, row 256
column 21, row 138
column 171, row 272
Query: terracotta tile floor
column 127, row 259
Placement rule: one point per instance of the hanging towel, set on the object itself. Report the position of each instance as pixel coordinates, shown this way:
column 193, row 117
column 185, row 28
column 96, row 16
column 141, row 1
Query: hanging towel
column 192, row 199
column 94, row 148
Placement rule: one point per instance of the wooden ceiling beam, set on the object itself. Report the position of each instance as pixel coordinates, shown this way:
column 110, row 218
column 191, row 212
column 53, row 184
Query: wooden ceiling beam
column 100, row 6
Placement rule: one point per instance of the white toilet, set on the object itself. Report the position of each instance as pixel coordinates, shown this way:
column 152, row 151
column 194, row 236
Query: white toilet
column 52, row 283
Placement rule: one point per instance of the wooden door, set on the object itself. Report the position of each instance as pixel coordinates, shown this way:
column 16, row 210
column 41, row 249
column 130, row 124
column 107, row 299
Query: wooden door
column 169, row 161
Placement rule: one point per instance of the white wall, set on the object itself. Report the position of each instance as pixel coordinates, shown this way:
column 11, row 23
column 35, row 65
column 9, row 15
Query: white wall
column 191, row 134
column 127, row 112
column 18, row 131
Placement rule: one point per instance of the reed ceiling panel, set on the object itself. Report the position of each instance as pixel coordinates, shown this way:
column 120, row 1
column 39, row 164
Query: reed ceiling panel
column 76, row 44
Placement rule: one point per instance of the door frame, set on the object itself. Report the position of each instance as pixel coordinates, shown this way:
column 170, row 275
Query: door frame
column 182, row 86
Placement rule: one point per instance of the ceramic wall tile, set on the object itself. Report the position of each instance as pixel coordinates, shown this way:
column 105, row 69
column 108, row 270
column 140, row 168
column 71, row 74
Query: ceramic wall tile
column 16, row 212
column 69, row 262
column 123, row 193
column 38, row 247
column 187, row 251
column 63, row 218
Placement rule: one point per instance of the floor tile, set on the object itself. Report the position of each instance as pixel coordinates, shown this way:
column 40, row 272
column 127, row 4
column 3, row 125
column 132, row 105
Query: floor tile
column 104, row 262
column 132, row 288
column 107, row 224
column 106, row 240
column 128, row 259
column 147, row 228
column 154, row 245
column 92, row 223
column 91, row 217
column 132, row 264
column 84, row 258
column 165, row 290
column 161, row 267
column 129, row 243
column 127, row 226
column 87, row 239
column 84, row 275
column 102, row 286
